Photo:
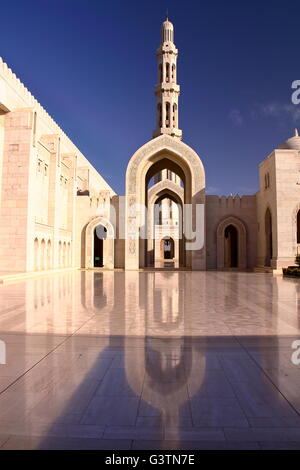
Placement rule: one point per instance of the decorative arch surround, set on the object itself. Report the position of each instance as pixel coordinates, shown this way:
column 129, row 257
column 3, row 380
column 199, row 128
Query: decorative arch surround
column 242, row 242
column 108, row 244
column 139, row 170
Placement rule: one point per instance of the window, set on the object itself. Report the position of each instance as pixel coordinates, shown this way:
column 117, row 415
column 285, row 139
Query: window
column 159, row 115
column 298, row 227
column 167, row 72
column 160, row 73
column 267, row 180
column 167, row 114
column 173, row 72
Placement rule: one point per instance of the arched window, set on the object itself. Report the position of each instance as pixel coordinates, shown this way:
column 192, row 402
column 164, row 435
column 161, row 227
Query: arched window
column 298, row 227
column 267, row 180
column 36, row 254
column 160, row 73
column 167, row 114
column 159, row 115
column 69, row 254
column 43, row 247
column 269, row 238
column 173, row 72
column 49, row 254
column 64, row 254
column 167, row 72
column 59, row 255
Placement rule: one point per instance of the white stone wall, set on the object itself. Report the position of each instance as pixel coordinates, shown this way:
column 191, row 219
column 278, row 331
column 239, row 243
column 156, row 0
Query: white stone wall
column 219, row 209
column 38, row 193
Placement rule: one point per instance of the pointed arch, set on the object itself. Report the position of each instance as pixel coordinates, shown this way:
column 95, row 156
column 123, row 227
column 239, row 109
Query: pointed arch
column 240, row 228
column 268, row 237
column 108, row 243
column 162, row 152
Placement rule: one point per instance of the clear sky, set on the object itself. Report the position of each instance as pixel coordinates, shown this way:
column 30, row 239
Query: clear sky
column 92, row 65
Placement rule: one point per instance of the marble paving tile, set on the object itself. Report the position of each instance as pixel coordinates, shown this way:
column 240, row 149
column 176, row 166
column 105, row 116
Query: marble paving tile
column 275, row 422
column 193, row 445
column 117, row 410
column 218, row 412
column 262, row 434
column 5, row 382
column 195, row 434
column 279, row 445
column 262, row 400
column 214, row 383
column 115, row 383
column 150, row 421
column 133, row 432
column 55, row 443
column 3, row 439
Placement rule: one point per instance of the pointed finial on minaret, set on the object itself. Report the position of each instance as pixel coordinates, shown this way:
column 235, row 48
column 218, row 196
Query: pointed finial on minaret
column 167, row 15
column 296, row 132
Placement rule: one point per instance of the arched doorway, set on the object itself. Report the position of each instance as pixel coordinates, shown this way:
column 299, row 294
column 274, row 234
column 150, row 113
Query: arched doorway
column 164, row 152
column 99, row 244
column 43, row 249
column 100, row 234
column 36, row 254
column 298, row 227
column 231, row 247
column 167, row 248
column 49, row 254
column 231, row 244
column 269, row 238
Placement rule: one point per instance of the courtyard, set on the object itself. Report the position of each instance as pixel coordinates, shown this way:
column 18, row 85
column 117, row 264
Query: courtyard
column 150, row 360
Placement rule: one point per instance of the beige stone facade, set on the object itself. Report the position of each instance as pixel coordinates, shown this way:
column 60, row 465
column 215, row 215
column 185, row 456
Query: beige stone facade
column 56, row 211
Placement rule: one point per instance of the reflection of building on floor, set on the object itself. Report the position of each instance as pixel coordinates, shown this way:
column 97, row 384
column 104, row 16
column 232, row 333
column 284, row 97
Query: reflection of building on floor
column 131, row 349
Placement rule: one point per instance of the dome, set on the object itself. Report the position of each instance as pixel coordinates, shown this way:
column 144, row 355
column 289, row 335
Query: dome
column 293, row 143
column 167, row 31
column 168, row 25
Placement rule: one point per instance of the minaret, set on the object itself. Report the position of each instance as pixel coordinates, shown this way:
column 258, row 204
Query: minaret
column 167, row 91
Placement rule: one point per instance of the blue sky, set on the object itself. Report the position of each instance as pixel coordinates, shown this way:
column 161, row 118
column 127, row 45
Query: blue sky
column 92, row 65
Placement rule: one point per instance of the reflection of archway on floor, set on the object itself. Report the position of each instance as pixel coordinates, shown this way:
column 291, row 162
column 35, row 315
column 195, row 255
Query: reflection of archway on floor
column 231, row 244
column 99, row 244
column 268, row 238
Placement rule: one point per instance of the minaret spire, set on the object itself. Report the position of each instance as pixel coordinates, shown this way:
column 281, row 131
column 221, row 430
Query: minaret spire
column 167, row 91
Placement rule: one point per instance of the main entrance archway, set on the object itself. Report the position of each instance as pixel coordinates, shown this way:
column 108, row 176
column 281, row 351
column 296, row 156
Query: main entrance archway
column 163, row 152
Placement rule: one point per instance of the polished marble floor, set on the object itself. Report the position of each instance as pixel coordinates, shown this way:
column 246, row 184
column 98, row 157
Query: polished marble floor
column 150, row 360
